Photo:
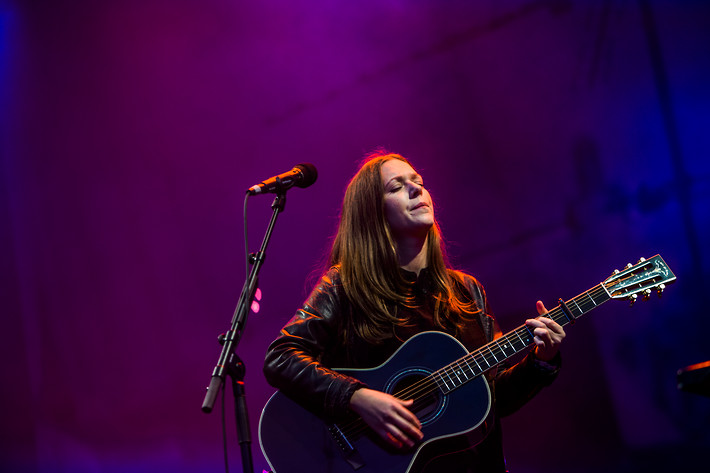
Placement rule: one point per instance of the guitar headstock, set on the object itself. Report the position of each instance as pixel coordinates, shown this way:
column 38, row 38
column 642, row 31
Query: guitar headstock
column 641, row 278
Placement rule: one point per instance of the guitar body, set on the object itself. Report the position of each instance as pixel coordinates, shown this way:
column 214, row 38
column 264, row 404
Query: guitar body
column 295, row 440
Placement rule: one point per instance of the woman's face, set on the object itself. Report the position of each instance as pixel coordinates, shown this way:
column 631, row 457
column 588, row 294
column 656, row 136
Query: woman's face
column 408, row 206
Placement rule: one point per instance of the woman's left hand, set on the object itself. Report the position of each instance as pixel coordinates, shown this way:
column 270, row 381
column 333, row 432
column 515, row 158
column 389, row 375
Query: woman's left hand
column 547, row 334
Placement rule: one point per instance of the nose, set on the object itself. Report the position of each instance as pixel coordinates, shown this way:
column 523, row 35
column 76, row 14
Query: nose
column 414, row 189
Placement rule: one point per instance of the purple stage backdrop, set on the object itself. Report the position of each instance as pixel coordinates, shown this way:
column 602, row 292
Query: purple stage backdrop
column 560, row 140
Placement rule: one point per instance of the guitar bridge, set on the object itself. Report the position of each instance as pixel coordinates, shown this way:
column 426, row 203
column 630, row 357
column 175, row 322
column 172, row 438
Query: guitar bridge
column 350, row 453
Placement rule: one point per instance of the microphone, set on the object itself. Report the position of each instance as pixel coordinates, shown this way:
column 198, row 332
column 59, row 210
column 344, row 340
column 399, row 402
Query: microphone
column 302, row 175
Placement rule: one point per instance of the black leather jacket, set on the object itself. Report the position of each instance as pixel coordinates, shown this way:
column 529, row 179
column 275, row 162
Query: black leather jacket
column 298, row 362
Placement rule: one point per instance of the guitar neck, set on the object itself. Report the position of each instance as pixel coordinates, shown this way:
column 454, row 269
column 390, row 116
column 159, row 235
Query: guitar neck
column 496, row 352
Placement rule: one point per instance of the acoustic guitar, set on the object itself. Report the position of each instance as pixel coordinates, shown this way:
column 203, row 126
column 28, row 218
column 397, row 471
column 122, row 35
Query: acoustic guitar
column 451, row 396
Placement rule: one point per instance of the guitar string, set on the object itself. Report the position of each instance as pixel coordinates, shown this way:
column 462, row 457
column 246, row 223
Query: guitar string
column 494, row 348
column 418, row 391
column 428, row 385
column 583, row 302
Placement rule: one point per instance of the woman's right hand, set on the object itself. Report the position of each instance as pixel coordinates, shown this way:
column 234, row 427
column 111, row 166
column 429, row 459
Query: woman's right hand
column 388, row 416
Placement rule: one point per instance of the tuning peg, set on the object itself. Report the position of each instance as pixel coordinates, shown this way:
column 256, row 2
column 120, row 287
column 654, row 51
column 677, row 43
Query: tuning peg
column 646, row 294
column 642, row 259
column 628, row 266
column 659, row 289
column 632, row 299
column 615, row 272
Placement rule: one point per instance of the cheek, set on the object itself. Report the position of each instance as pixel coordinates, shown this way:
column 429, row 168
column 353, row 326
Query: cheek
column 431, row 202
column 388, row 209
column 393, row 210
column 427, row 195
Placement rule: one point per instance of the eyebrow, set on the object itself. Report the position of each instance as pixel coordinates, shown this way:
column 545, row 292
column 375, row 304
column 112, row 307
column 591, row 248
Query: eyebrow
column 401, row 177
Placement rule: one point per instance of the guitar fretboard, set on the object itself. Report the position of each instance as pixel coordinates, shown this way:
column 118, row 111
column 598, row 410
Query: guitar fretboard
column 492, row 354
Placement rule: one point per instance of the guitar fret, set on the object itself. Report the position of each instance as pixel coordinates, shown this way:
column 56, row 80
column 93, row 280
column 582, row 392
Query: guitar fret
column 457, row 376
column 495, row 348
column 514, row 343
column 504, row 346
column 479, row 366
column 494, row 355
column 445, row 383
column 468, row 367
column 441, row 376
column 578, row 308
column 435, row 377
column 530, row 334
column 521, row 339
column 484, row 361
column 465, row 360
column 527, row 340
column 590, row 298
column 462, row 373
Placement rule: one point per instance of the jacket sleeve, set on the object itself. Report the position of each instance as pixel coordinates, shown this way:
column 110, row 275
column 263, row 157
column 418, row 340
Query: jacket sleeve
column 518, row 384
column 513, row 386
column 294, row 361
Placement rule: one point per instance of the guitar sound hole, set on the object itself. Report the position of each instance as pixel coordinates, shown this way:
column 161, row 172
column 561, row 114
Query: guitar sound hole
column 428, row 400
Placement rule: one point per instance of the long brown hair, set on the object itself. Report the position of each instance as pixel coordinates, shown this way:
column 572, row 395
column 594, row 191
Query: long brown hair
column 366, row 255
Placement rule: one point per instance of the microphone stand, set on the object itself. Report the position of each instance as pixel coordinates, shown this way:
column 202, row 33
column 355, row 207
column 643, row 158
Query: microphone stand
column 229, row 363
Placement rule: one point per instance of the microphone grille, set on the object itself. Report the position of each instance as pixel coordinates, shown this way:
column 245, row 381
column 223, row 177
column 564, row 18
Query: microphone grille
column 310, row 174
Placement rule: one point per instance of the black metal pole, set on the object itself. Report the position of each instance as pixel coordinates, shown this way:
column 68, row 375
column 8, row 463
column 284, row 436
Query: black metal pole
column 228, row 362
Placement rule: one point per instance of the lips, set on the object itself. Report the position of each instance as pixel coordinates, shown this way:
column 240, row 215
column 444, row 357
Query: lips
column 420, row 205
